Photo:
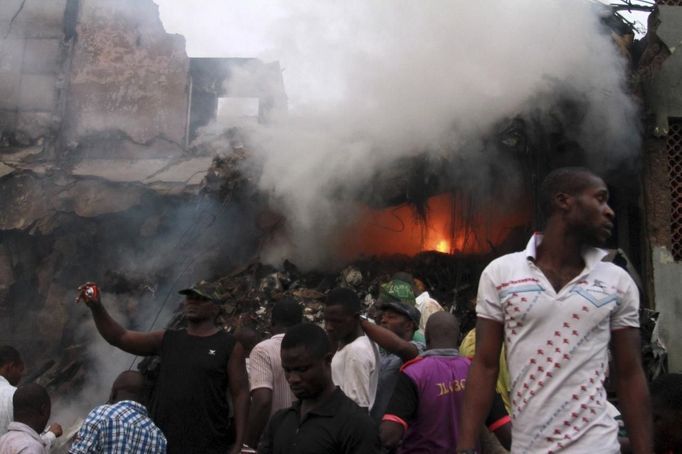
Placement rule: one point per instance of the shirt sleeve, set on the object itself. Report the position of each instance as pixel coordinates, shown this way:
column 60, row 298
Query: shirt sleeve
column 402, row 408
column 87, row 438
column 261, row 369
column 48, row 439
column 488, row 300
column 626, row 314
column 360, row 366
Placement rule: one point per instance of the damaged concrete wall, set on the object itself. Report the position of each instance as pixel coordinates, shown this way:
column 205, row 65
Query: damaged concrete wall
column 127, row 75
column 95, row 179
column 664, row 89
column 32, row 50
column 667, row 274
column 660, row 72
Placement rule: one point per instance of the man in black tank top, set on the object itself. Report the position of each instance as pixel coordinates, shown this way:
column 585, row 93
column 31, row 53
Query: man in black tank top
column 199, row 365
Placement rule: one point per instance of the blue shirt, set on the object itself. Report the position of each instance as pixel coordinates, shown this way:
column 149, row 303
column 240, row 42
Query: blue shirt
column 123, row 427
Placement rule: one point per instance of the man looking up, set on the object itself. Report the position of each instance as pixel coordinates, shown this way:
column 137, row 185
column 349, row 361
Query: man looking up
column 199, row 366
column 426, row 405
column 397, row 324
column 354, row 366
column 323, row 420
column 11, row 371
column 121, row 426
column 31, row 405
column 270, row 391
column 557, row 306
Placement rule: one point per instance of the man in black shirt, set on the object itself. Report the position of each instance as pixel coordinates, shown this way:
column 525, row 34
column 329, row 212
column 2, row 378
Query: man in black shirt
column 324, row 420
column 189, row 402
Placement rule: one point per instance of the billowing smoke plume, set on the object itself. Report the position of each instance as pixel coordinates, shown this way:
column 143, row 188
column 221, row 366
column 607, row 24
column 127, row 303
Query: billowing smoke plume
column 371, row 83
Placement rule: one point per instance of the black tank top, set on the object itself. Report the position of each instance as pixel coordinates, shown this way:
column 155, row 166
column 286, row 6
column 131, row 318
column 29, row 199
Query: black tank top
column 189, row 402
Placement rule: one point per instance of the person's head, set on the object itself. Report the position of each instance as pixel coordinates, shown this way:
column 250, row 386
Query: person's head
column 399, row 317
column 666, row 401
column 342, row 314
column 32, row 406
column 202, row 302
column 442, row 331
column 285, row 314
column 306, row 360
column 11, row 364
column 129, row 385
column 578, row 198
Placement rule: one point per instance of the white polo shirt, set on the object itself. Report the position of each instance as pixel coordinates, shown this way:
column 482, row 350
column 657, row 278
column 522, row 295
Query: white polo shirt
column 557, row 348
column 355, row 370
column 6, row 407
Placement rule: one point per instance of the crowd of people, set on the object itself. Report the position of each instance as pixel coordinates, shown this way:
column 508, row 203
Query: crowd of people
column 549, row 319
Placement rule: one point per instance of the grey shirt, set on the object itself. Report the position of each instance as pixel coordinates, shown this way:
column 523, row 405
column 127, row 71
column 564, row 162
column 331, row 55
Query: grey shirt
column 389, row 369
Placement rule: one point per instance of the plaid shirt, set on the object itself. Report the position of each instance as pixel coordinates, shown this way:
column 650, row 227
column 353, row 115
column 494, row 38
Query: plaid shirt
column 123, row 427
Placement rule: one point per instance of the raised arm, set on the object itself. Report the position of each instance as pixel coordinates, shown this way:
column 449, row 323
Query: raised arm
column 239, row 391
column 390, row 341
column 633, row 393
column 480, row 385
column 134, row 342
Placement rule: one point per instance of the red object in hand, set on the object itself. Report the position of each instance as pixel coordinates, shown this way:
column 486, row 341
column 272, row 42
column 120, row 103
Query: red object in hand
column 88, row 293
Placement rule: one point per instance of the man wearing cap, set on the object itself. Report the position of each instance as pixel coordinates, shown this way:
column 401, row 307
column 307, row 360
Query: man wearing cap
column 199, row 366
column 398, row 322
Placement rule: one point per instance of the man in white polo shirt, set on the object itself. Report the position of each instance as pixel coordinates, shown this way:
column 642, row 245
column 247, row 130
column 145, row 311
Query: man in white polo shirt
column 556, row 306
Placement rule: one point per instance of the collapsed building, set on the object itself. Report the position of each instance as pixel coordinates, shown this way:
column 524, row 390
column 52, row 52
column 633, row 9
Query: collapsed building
column 110, row 171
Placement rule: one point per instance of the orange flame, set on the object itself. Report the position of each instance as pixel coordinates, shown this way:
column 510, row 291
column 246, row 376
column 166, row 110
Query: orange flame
column 443, row 246
column 451, row 227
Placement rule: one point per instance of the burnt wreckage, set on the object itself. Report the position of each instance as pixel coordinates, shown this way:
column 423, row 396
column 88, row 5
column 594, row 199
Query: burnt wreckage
column 109, row 172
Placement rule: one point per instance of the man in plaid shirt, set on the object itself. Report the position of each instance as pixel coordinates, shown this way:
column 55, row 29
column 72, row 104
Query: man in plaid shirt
column 123, row 426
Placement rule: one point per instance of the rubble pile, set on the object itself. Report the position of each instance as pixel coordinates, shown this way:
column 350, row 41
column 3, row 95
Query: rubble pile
column 250, row 291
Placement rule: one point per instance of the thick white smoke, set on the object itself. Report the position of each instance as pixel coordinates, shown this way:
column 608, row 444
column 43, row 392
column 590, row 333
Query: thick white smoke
column 372, row 82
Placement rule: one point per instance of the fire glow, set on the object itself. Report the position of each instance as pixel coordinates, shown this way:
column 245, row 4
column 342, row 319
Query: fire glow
column 452, row 227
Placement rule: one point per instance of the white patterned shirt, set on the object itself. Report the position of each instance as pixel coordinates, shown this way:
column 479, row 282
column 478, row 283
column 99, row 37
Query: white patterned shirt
column 267, row 372
column 557, row 348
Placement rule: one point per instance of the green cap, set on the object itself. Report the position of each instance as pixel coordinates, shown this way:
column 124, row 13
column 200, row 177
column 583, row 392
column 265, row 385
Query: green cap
column 397, row 290
column 205, row 290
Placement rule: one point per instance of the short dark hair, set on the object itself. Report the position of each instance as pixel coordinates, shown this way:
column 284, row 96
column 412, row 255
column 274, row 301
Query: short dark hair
column 570, row 180
column 345, row 297
column 9, row 355
column 666, row 391
column 29, row 399
column 310, row 336
column 287, row 312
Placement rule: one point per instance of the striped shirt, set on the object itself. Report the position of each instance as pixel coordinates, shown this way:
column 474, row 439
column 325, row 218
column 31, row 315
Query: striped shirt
column 266, row 372
column 123, row 427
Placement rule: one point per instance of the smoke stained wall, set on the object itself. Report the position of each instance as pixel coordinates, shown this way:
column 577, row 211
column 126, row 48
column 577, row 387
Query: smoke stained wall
column 96, row 184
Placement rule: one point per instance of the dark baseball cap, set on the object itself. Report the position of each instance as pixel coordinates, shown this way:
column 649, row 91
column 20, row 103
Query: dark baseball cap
column 401, row 307
column 205, row 290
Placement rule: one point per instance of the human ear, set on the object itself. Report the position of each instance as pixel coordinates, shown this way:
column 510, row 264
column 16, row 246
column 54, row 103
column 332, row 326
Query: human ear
column 562, row 200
